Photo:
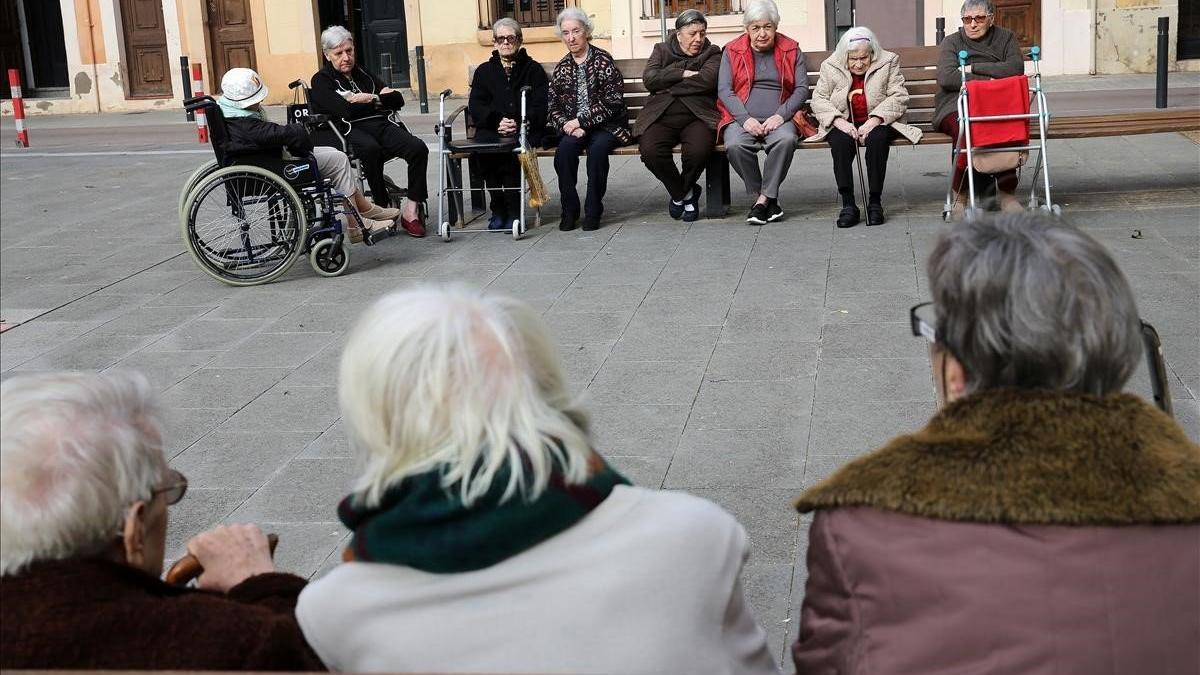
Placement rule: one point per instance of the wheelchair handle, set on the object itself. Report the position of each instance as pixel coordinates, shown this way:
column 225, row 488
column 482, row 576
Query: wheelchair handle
column 198, row 102
column 962, row 57
column 297, row 83
column 445, row 93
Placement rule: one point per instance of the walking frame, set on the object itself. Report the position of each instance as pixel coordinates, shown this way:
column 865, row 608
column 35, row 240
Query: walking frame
column 447, row 178
column 963, row 144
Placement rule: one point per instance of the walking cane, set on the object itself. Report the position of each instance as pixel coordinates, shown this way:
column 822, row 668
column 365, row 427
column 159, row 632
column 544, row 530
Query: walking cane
column 862, row 186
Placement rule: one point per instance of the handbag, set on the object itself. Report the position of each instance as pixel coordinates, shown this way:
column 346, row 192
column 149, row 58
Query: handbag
column 297, row 110
column 999, row 162
column 806, row 123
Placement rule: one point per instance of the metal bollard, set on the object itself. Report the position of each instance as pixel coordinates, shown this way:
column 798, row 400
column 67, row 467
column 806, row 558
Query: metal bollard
column 201, row 118
column 941, row 30
column 422, row 87
column 18, row 103
column 187, row 85
column 1160, row 80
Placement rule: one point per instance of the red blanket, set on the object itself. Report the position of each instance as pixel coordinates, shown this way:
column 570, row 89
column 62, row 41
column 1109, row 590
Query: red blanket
column 1005, row 96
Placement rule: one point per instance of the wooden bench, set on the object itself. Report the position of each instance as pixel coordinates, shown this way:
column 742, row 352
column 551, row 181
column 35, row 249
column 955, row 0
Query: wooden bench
column 919, row 66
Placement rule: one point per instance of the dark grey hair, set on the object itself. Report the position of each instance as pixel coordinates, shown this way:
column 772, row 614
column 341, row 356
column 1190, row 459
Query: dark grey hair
column 574, row 14
column 333, row 37
column 688, row 17
column 761, row 10
column 986, row 5
column 508, row 23
column 1025, row 300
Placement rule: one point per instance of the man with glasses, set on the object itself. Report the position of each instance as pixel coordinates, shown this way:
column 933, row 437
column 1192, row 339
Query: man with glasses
column 84, row 491
column 993, row 52
column 1042, row 521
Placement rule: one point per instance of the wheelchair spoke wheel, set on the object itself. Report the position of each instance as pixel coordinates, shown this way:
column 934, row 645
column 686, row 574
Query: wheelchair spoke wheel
column 190, row 184
column 329, row 260
column 244, row 225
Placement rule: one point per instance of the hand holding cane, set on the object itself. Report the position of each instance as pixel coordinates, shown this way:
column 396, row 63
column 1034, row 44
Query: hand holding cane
column 862, row 186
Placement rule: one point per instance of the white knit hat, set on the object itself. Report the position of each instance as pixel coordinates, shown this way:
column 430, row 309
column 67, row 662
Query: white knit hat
column 243, row 87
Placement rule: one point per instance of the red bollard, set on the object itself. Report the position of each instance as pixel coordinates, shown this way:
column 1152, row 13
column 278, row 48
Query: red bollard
column 14, row 83
column 197, row 91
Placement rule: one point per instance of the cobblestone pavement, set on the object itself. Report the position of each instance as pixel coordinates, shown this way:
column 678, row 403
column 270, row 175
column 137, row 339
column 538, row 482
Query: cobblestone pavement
column 734, row 362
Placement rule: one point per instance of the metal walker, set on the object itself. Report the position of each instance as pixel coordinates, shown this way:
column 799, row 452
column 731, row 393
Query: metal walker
column 447, row 179
column 964, row 146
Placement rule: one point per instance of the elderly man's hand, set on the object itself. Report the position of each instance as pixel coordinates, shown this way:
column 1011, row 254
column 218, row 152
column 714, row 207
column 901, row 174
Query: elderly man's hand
column 360, row 98
column 230, row 554
column 507, row 126
column 772, row 123
column 844, row 125
column 754, row 127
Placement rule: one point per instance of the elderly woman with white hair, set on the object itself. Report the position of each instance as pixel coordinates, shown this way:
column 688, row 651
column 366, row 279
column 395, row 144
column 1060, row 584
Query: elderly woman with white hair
column 860, row 99
column 489, row 536
column 362, row 102
column 762, row 84
column 587, row 112
column 84, row 491
column 1043, row 521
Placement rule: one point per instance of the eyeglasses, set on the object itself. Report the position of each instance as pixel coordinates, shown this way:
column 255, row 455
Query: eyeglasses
column 174, row 487
column 923, row 321
column 968, row 20
column 507, row 39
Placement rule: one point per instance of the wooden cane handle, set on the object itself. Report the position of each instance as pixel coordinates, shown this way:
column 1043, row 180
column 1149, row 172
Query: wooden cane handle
column 188, row 568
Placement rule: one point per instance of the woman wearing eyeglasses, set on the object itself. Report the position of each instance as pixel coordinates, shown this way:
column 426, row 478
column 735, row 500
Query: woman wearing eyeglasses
column 83, row 526
column 1042, row 521
column 495, row 106
column 992, row 53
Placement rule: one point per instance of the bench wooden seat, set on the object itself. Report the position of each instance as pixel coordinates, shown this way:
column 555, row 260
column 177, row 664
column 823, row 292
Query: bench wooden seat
column 920, row 74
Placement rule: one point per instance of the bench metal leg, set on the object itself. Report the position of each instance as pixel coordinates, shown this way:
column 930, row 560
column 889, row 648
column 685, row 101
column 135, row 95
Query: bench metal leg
column 457, row 216
column 716, row 186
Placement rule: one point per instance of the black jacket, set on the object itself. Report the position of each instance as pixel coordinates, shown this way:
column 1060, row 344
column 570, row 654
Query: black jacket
column 250, row 134
column 494, row 96
column 325, row 98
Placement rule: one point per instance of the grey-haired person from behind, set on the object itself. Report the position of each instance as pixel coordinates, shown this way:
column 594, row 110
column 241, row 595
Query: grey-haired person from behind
column 681, row 76
column 490, row 536
column 1042, row 521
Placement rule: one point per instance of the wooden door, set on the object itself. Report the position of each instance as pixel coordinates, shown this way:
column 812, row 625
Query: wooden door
column 385, row 41
column 11, row 53
column 145, row 49
column 1023, row 17
column 230, row 38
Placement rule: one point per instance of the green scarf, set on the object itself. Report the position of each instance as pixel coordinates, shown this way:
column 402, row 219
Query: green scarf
column 423, row 525
column 230, row 111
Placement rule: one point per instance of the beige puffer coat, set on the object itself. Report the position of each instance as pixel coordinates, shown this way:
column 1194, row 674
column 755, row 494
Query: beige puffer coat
column 887, row 98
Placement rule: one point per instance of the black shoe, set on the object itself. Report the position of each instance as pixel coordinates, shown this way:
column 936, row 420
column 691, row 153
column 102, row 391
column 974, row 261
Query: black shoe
column 848, row 217
column 590, row 224
column 676, row 210
column 694, row 200
column 568, row 222
column 774, row 211
column 875, row 215
column 758, row 215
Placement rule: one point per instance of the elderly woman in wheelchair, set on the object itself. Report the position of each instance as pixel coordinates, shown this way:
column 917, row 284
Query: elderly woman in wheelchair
column 251, row 213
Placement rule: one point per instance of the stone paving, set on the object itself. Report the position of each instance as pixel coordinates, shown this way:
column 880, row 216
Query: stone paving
column 737, row 363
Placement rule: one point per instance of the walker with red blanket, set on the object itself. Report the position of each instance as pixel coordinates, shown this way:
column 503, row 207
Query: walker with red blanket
column 994, row 117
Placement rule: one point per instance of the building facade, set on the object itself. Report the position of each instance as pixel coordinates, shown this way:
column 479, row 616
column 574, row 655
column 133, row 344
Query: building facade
column 124, row 55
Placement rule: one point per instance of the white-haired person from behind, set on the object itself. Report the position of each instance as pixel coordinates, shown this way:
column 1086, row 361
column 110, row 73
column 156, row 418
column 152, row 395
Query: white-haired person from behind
column 84, row 490
column 489, row 536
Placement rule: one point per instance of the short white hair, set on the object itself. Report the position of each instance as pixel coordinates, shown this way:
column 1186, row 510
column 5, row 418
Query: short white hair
column 76, row 450
column 854, row 39
column 761, row 10
column 574, row 14
column 460, row 381
column 333, row 37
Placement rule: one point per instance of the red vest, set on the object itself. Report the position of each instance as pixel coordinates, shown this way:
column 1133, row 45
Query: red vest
column 741, row 59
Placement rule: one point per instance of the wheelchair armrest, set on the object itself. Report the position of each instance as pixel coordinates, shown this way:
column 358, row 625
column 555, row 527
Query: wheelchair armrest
column 314, row 120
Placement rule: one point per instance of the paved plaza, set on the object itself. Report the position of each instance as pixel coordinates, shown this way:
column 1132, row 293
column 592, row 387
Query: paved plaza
column 734, row 362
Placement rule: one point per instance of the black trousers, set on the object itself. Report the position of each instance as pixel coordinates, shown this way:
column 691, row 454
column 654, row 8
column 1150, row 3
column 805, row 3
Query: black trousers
column 598, row 143
column 878, row 146
column 502, row 170
column 377, row 140
column 677, row 126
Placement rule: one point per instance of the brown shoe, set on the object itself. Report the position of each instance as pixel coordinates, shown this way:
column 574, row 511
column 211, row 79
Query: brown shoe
column 377, row 212
column 414, row 228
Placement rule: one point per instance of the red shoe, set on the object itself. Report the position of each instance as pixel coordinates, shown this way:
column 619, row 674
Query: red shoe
column 414, row 228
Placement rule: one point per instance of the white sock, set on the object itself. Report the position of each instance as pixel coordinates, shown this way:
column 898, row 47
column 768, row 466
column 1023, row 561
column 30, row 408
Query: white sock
column 676, row 202
column 689, row 207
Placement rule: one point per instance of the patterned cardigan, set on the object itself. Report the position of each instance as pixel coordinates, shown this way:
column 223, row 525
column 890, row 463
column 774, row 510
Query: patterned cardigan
column 606, row 103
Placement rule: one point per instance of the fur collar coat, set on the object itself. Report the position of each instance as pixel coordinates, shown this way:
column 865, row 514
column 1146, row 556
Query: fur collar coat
column 887, row 98
column 1021, row 531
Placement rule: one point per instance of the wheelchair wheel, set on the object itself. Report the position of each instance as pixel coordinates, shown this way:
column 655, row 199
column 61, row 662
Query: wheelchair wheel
column 244, row 225
column 328, row 260
column 194, row 180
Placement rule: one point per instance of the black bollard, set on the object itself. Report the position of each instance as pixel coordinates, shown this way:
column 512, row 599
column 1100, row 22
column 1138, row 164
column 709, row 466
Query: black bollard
column 941, row 30
column 1160, row 83
column 187, row 85
column 422, row 87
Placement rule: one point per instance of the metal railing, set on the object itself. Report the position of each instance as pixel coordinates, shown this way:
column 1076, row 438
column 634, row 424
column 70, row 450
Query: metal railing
column 526, row 12
column 709, row 7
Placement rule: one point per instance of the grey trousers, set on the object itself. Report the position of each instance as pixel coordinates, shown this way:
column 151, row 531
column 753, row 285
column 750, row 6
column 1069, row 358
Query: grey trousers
column 743, row 149
column 334, row 165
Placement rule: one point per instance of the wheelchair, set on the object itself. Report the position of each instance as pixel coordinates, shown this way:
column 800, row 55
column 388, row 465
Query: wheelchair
column 247, row 217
